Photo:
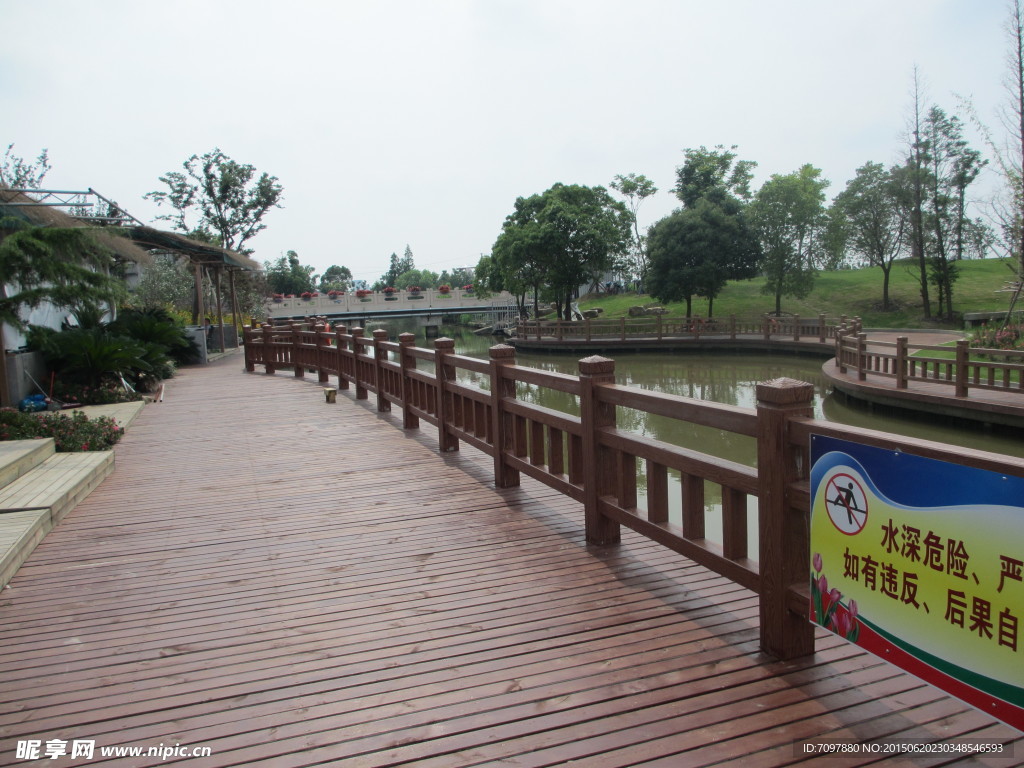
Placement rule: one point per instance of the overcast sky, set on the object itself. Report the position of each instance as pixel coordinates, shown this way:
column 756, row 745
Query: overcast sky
column 419, row 123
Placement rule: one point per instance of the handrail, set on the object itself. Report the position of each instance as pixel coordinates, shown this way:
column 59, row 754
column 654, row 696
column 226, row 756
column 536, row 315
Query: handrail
column 905, row 365
column 662, row 328
column 588, row 458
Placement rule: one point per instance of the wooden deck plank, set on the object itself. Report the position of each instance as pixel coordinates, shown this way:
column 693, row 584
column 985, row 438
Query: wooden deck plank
column 294, row 583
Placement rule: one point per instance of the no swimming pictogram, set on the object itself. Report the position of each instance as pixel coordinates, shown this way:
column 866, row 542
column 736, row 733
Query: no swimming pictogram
column 846, row 502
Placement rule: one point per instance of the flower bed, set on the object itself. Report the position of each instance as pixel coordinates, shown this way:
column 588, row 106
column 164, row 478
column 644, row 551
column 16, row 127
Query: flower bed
column 70, row 433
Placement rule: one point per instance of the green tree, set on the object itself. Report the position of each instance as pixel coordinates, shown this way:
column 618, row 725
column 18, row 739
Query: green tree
column 713, row 174
column 336, row 278
column 635, row 188
column 868, row 218
column 561, row 239
column 64, row 266
column 518, row 260
column 788, row 214
column 18, row 174
column 167, row 282
column 422, row 278
column 220, row 197
column 697, row 250
column 289, row 275
column 952, row 166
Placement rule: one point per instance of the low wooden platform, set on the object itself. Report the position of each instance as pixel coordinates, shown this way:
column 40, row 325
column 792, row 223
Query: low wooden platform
column 37, row 489
column 294, row 583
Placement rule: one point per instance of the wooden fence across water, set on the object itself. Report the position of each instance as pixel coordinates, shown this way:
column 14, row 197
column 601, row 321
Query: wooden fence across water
column 588, row 459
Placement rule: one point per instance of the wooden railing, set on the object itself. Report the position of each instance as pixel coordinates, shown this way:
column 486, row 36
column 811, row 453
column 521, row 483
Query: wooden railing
column 903, row 362
column 766, row 327
column 588, row 458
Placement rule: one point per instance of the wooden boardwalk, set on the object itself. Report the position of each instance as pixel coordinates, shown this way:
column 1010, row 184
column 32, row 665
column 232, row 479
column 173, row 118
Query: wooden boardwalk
column 292, row 583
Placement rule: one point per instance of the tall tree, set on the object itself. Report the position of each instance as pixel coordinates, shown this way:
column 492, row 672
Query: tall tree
column 216, row 195
column 869, row 219
column 695, row 251
column 563, row 238
column 916, row 172
column 713, row 174
column 15, row 172
column 636, row 188
column 336, row 278
column 788, row 213
column 709, row 241
column 289, row 275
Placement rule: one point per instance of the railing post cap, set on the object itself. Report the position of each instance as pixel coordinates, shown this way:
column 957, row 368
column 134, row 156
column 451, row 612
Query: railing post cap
column 380, row 333
column 444, row 343
column 501, row 352
column 406, row 338
column 596, row 364
column 357, row 331
column 785, row 391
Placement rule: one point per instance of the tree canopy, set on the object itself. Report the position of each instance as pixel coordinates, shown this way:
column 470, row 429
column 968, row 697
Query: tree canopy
column 289, row 275
column 696, row 250
column 64, row 266
column 15, row 172
column 560, row 239
column 788, row 214
column 218, row 199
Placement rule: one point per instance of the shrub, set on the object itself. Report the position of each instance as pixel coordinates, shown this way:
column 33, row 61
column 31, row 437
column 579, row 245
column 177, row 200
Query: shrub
column 1011, row 337
column 70, row 433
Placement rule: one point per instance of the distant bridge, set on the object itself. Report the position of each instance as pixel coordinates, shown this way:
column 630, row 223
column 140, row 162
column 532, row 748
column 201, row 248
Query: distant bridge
column 426, row 303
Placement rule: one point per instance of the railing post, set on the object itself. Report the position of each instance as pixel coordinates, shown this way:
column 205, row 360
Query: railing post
column 361, row 392
column 599, row 471
column 962, row 365
column 379, row 355
column 784, row 536
column 502, row 434
column 406, row 341
column 322, row 344
column 840, row 338
column 340, row 343
column 821, row 328
column 444, row 373
column 862, row 356
column 732, row 327
column 248, row 337
column 622, row 327
column 588, row 328
column 796, row 327
column 297, row 350
column 767, row 328
column 901, row 362
column 269, row 356
column 660, row 329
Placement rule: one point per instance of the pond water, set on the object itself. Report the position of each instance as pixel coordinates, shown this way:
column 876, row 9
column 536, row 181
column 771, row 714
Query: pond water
column 725, row 378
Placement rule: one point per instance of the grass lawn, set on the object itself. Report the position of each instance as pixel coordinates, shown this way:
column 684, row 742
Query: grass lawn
column 856, row 292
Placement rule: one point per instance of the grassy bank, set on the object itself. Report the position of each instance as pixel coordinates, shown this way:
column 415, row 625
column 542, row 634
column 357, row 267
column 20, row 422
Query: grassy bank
column 856, row 292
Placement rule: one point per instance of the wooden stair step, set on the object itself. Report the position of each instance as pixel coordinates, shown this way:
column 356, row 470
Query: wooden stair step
column 35, row 502
column 20, row 532
column 18, row 457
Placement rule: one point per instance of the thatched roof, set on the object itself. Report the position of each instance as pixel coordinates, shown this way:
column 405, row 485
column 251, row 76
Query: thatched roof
column 18, row 205
column 196, row 251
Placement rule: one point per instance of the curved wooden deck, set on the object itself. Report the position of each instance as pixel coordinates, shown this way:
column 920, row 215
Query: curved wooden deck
column 293, row 583
column 991, row 406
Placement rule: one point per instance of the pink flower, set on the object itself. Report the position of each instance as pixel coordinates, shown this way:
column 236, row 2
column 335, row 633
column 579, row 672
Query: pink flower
column 853, row 609
column 817, row 561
